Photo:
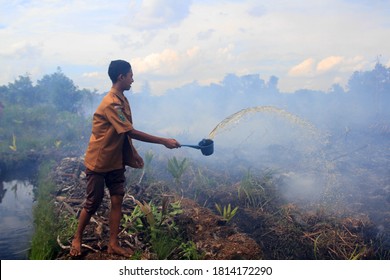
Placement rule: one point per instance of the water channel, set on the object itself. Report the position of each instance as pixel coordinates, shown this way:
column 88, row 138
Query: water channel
column 16, row 218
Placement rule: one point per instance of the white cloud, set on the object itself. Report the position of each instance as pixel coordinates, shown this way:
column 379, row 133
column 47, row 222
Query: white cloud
column 226, row 52
column 163, row 63
column 329, row 63
column 338, row 80
column 21, row 50
column 91, row 74
column 192, row 52
column 355, row 63
column 204, row 35
column 173, row 42
column 302, row 69
column 157, row 14
column 257, row 11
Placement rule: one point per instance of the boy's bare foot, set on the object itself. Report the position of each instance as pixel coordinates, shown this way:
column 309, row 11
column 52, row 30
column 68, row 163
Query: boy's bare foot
column 75, row 248
column 116, row 249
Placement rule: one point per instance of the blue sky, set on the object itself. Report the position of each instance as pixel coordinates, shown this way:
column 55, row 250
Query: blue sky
column 307, row 44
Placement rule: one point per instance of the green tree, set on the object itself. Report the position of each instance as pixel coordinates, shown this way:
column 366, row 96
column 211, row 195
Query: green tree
column 372, row 88
column 59, row 90
column 21, row 91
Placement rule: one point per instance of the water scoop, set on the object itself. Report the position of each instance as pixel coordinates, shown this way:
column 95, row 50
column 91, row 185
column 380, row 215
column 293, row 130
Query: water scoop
column 206, row 146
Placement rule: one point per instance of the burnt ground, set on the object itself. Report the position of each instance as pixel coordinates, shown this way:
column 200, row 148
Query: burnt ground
column 265, row 227
column 213, row 237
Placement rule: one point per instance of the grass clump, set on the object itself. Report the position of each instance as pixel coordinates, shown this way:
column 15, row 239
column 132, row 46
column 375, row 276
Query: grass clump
column 44, row 245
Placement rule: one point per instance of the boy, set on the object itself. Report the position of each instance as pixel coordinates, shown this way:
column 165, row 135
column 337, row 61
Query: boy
column 110, row 149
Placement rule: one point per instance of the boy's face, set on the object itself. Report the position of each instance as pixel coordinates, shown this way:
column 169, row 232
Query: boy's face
column 126, row 80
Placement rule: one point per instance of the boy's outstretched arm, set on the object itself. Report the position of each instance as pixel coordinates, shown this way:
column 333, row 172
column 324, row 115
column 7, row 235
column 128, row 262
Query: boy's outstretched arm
column 145, row 137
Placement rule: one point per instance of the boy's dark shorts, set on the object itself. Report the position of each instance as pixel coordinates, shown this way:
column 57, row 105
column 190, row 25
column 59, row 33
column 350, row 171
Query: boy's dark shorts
column 114, row 180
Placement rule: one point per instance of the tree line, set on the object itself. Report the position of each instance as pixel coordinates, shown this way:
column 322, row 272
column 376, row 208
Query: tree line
column 52, row 114
column 55, row 90
column 42, row 119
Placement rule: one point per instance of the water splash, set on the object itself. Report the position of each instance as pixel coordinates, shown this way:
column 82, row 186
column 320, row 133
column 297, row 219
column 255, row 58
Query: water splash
column 236, row 117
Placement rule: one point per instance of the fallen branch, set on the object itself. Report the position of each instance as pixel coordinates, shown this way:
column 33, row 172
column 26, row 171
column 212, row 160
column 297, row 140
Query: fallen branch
column 67, row 247
column 69, row 208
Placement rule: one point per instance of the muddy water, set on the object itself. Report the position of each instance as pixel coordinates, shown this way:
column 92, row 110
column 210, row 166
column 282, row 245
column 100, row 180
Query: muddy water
column 16, row 221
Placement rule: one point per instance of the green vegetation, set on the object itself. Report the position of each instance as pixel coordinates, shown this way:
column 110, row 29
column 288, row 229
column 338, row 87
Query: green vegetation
column 42, row 119
column 40, row 122
column 256, row 192
column 227, row 213
column 161, row 228
column 158, row 226
column 177, row 168
column 203, row 186
column 188, row 251
column 148, row 157
column 50, row 225
column 44, row 245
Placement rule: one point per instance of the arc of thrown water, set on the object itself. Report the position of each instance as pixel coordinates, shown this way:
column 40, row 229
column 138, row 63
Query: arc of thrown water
column 234, row 118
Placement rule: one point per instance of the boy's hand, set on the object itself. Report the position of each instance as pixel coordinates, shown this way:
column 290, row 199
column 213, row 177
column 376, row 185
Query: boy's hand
column 139, row 162
column 171, row 143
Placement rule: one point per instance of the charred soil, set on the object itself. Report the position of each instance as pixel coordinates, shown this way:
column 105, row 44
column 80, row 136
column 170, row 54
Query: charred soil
column 264, row 227
column 211, row 236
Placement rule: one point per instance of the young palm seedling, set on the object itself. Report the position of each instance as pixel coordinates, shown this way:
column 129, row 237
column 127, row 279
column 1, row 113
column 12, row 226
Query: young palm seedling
column 13, row 146
column 147, row 162
column 158, row 225
column 227, row 212
column 177, row 168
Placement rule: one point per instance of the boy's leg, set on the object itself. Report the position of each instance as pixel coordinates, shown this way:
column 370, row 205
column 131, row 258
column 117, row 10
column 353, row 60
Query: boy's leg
column 115, row 182
column 95, row 193
column 115, row 218
column 75, row 249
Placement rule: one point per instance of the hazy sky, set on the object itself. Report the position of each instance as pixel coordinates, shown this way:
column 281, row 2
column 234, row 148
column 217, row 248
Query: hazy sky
column 307, row 44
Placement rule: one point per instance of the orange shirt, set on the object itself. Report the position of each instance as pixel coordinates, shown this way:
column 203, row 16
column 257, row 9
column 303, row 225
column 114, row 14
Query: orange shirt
column 109, row 147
